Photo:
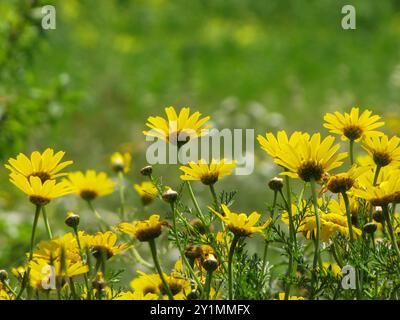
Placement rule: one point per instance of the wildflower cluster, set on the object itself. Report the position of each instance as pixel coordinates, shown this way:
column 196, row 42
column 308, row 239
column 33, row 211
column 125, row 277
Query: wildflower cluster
column 330, row 209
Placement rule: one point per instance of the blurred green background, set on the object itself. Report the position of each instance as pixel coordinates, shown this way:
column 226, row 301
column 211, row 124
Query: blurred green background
column 88, row 86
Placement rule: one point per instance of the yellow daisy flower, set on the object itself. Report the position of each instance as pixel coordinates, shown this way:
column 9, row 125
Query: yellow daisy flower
column 353, row 126
column 343, row 182
column 146, row 283
column 121, row 162
column 273, row 145
column 143, row 230
column 384, row 151
column 104, row 243
column 41, row 271
column 147, row 191
column 90, row 185
column 381, row 194
column 311, row 159
column 208, row 174
column 239, row 223
column 281, row 296
column 40, row 193
column 137, row 295
column 151, row 283
column 332, row 222
column 46, row 166
column 177, row 129
column 54, row 249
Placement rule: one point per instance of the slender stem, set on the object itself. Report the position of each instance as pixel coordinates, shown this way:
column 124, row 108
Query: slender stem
column 97, row 215
column 194, row 200
column 179, row 245
column 73, row 291
column 46, row 223
column 26, row 273
column 89, row 292
column 292, row 235
column 153, row 250
column 230, row 272
column 214, row 195
column 292, row 232
column 122, row 194
column 140, row 259
column 318, row 230
column 351, row 152
column 206, row 225
column 207, row 286
column 92, row 208
column 377, row 171
column 7, row 285
column 390, row 227
column 348, row 213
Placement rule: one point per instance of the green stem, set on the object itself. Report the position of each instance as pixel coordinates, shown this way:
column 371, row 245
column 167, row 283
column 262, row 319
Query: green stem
column 46, row 223
column 122, row 194
column 207, row 286
column 317, row 236
column 140, row 259
column 73, row 291
column 25, row 279
column 348, row 213
column 89, row 292
column 377, row 171
column 92, row 208
column 351, row 152
column 230, row 271
column 390, row 227
column 153, row 250
column 97, row 215
column 194, row 200
column 180, row 249
column 206, row 225
column 214, row 195
column 292, row 235
column 7, row 285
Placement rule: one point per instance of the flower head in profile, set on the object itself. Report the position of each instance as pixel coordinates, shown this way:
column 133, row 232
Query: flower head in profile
column 310, row 159
column 121, row 162
column 40, row 271
column 40, row 193
column 177, row 128
column 104, row 244
column 386, row 191
column 333, row 220
column 240, row 224
column 46, row 165
column 331, row 224
column 353, row 126
column 343, row 182
column 383, row 151
column 144, row 230
column 65, row 247
column 147, row 191
column 208, row 174
column 151, row 283
column 273, row 145
column 90, row 185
